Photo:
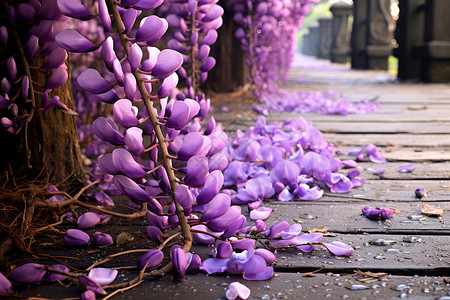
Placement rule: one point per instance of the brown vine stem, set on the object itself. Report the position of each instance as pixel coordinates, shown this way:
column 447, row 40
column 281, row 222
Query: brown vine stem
column 26, row 67
column 154, row 120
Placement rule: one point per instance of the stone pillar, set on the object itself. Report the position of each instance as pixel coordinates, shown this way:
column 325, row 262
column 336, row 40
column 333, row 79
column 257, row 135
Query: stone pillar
column 359, row 34
column 314, row 40
column 435, row 52
column 372, row 34
column 306, row 43
column 325, row 37
column 381, row 27
column 409, row 34
column 340, row 45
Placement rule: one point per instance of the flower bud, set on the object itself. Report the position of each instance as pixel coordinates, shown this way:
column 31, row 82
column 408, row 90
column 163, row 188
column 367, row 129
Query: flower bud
column 76, row 238
column 102, row 239
column 5, row 285
column 179, row 261
column 28, row 273
column 88, row 220
column 152, row 258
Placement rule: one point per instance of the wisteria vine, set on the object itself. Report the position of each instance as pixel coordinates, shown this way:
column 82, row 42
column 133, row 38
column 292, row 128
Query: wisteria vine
column 175, row 179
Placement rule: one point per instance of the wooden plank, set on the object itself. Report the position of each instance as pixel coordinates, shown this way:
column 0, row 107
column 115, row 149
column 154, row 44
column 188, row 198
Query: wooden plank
column 382, row 127
column 396, row 190
column 406, row 154
column 282, row 286
column 347, row 218
column 409, row 140
column 427, row 257
column 386, row 113
column 435, row 170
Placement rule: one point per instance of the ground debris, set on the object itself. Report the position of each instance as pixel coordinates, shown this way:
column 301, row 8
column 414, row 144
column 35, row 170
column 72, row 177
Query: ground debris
column 370, row 275
column 322, row 229
column 431, row 211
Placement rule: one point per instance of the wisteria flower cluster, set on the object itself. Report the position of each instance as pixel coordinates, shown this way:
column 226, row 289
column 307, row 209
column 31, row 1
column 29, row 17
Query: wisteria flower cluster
column 267, row 33
column 194, row 25
column 20, row 96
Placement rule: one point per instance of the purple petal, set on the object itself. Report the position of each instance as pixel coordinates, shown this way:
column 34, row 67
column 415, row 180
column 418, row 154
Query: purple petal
column 179, row 116
column 88, row 295
column 11, row 68
column 167, row 86
column 130, row 86
column 153, row 257
column 265, row 274
column 168, row 62
column 104, row 15
column 93, row 82
column 135, row 57
column 223, row 250
column 91, row 284
column 372, row 213
column 129, row 18
column 124, row 161
column 237, row 289
column 134, row 140
column 194, row 262
column 149, row 63
column 261, row 213
column 196, row 170
column 268, row 256
column 193, row 144
column 285, row 171
column 386, row 213
column 76, row 238
column 243, row 244
column 151, row 30
column 74, row 9
column 209, row 38
column 276, row 229
column 147, row 4
column 285, row 195
column 55, row 59
column 218, row 161
column 349, row 164
column 201, row 237
column 339, row 248
column 105, row 163
column 406, row 168
column 28, row 273
column 32, row 46
column 103, row 276
column 88, row 220
column 124, row 113
column 107, row 130
column 185, row 198
column 217, row 207
column 102, row 239
column 293, row 231
column 52, row 277
column 154, row 233
column 130, row 188
column 216, row 11
column 107, row 51
column 160, row 221
column 73, row 41
column 212, row 186
column 179, row 261
column 208, row 64
column 5, row 285
column 214, row 265
column 58, row 78
column 223, row 222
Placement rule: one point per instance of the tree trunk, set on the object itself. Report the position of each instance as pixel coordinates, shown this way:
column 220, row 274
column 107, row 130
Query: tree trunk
column 55, row 155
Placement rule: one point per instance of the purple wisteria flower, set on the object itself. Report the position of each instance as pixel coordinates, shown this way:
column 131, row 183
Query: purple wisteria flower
column 406, row 168
column 76, row 238
column 237, row 290
column 29, row 273
column 103, row 276
column 5, row 285
column 52, row 277
column 375, row 213
column 102, row 239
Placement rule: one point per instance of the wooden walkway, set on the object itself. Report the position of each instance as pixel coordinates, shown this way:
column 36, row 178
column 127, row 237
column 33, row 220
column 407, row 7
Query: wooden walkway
column 411, row 126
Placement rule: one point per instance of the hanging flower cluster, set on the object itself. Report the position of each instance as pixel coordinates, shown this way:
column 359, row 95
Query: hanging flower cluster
column 195, row 24
column 267, row 33
column 32, row 27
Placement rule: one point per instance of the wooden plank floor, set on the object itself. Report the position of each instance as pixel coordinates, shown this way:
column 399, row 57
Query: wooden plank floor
column 412, row 126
